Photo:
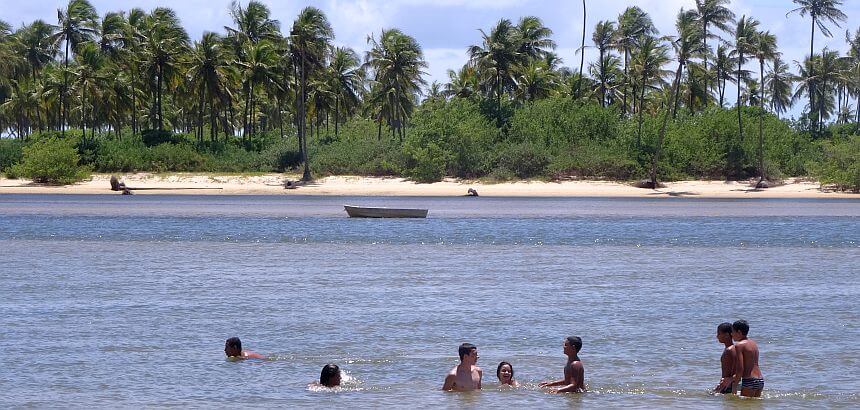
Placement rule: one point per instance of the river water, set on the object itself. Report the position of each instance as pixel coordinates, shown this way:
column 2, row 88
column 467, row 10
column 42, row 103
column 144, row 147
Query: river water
column 112, row 301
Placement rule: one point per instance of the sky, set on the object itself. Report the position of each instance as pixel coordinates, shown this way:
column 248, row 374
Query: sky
column 445, row 28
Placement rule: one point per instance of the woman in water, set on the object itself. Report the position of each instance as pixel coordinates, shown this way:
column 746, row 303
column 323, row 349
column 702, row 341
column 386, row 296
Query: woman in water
column 505, row 373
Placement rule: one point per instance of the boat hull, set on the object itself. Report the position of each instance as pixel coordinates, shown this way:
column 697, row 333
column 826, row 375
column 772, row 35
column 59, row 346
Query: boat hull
column 378, row 212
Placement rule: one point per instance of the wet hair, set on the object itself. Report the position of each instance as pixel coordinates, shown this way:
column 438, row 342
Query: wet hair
column 499, row 370
column 465, row 349
column 724, row 327
column 233, row 343
column 328, row 374
column 741, row 326
column 576, row 342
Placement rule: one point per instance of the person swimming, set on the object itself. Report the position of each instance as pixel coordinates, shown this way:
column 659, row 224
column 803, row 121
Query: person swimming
column 747, row 371
column 467, row 375
column 505, row 373
column 233, row 350
column 727, row 360
column 330, row 375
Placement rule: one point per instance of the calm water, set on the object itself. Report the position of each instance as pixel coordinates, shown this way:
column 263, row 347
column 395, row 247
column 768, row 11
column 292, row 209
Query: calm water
column 114, row 301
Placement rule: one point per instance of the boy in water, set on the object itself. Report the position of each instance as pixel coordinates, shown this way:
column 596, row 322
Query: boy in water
column 330, row 375
column 746, row 369
column 466, row 376
column 233, row 350
column 727, row 360
column 574, row 372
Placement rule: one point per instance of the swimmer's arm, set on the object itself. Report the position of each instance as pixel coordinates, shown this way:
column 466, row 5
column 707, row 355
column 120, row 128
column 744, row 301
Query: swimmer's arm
column 739, row 369
column 449, row 382
column 480, row 377
column 553, row 383
column 570, row 388
column 252, row 355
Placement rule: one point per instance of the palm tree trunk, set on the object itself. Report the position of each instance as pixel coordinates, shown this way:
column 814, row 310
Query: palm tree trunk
column 675, row 86
column 63, row 102
column 336, row 114
column 247, row 88
column 582, row 53
column 705, row 63
column 812, row 38
column 602, row 79
column 761, row 128
column 306, row 175
column 211, row 119
column 158, row 98
column 740, row 120
column 200, row 108
column 639, row 133
column 677, row 96
column 624, row 103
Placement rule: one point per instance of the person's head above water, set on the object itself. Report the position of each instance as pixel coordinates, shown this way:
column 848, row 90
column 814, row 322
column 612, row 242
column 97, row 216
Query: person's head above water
column 505, row 373
column 330, row 375
column 574, row 343
column 724, row 332
column 466, row 351
column 233, row 347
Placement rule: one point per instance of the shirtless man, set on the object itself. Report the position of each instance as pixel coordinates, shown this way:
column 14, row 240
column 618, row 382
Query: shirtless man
column 574, row 373
column 746, row 369
column 233, row 350
column 727, row 360
column 466, row 376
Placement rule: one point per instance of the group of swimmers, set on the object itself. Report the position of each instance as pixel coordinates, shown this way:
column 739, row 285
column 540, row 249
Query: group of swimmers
column 739, row 362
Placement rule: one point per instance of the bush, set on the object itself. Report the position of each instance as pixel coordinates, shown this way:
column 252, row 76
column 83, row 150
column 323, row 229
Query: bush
column 152, row 138
column 128, row 155
column 356, row 150
column 425, row 163
column 11, row 152
column 525, row 160
column 52, row 161
column 175, row 157
column 840, row 164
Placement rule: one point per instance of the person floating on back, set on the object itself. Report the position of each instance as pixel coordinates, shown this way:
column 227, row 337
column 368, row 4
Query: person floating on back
column 233, row 350
column 330, row 376
column 574, row 373
column 467, row 375
column 727, row 361
column 746, row 369
column 505, row 373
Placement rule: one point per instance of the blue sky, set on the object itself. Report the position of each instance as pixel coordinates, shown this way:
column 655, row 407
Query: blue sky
column 445, row 28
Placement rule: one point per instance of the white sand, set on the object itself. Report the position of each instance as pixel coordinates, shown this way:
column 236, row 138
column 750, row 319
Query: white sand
column 273, row 184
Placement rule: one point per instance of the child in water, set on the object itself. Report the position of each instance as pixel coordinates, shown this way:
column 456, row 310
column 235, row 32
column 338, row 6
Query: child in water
column 574, row 372
column 505, row 373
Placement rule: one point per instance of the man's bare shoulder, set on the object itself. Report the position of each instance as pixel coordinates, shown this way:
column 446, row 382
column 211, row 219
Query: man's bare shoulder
column 577, row 365
column 479, row 370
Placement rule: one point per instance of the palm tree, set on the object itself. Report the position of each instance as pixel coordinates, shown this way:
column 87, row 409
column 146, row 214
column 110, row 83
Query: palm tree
column 582, row 51
column 779, row 83
column 309, row 41
column 165, row 44
column 853, row 72
column 496, row 60
column 347, row 82
column 724, row 66
column 34, row 43
column 90, row 81
column 253, row 23
column 208, row 70
column 258, row 67
column 820, row 10
column 745, row 35
column 536, row 81
column 688, row 44
column 76, row 24
column 713, row 13
column 764, row 48
column 535, row 38
column 648, row 61
column 396, row 61
column 603, row 38
column 633, row 25
column 462, row 83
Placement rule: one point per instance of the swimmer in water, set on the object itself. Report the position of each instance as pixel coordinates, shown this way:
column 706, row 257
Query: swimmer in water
column 330, row 376
column 746, row 369
column 727, row 360
column 467, row 375
column 574, row 372
column 505, row 373
column 233, row 350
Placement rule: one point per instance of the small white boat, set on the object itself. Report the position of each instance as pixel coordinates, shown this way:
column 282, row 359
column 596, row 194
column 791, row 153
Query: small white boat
column 379, row 212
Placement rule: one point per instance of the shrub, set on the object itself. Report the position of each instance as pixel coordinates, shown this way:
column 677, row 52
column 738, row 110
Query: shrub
column 525, row 160
column 11, row 152
column 175, row 157
column 425, row 163
column 840, row 164
column 152, row 138
column 52, row 161
column 126, row 155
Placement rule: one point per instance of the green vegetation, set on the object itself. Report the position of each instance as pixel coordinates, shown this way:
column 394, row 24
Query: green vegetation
column 131, row 91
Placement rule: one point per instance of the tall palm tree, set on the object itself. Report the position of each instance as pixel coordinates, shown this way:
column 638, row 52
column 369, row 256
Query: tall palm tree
column 397, row 63
column 496, row 60
column 820, row 11
column 208, row 70
column 713, row 13
column 648, row 61
column 462, row 83
column 536, row 81
column 779, row 83
column 686, row 45
column 347, row 82
column 253, row 23
column 258, row 67
column 34, row 43
column 764, row 48
column 535, row 39
column 165, row 45
column 724, row 65
column 853, row 73
column 745, row 36
column 633, row 25
column 581, row 51
column 309, row 41
column 604, row 39
column 76, row 24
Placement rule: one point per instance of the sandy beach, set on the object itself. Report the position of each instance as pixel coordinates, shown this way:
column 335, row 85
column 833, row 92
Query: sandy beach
column 273, row 184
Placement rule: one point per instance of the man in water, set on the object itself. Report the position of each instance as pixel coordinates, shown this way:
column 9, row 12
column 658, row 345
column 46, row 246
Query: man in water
column 746, row 369
column 330, row 375
column 466, row 376
column 574, row 372
column 727, row 360
column 233, row 350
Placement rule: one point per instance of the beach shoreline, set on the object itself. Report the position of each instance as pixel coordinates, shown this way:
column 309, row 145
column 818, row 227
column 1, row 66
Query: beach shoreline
column 273, row 184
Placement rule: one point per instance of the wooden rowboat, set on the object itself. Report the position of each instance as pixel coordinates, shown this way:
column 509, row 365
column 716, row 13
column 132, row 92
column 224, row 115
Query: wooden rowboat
column 378, row 212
